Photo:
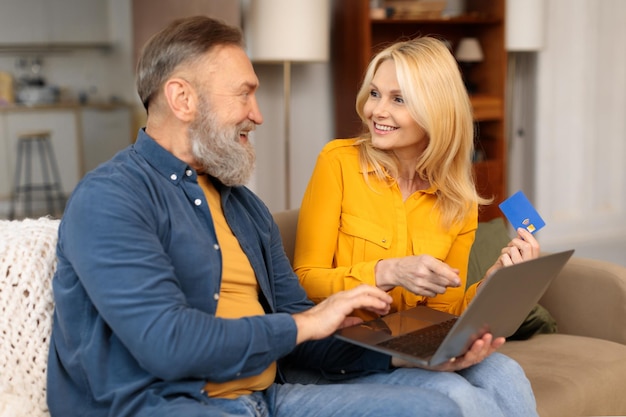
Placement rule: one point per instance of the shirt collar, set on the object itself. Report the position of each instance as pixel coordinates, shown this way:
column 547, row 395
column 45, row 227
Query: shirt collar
column 163, row 161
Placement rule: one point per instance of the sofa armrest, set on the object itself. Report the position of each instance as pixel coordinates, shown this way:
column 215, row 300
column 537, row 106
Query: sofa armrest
column 588, row 298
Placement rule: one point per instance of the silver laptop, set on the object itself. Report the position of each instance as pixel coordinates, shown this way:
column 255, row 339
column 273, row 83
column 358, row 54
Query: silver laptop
column 429, row 337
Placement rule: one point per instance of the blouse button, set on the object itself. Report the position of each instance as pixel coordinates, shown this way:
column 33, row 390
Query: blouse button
column 197, row 202
column 173, row 177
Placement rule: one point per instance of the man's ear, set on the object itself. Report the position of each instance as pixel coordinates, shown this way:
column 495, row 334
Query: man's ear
column 181, row 98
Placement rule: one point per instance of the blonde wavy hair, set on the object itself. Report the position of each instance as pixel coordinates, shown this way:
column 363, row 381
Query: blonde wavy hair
column 436, row 98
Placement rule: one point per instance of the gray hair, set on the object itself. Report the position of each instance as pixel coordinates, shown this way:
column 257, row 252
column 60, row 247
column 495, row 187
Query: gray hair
column 182, row 41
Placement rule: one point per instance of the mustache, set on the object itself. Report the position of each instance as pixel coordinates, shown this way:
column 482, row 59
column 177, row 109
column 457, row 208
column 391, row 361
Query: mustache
column 246, row 126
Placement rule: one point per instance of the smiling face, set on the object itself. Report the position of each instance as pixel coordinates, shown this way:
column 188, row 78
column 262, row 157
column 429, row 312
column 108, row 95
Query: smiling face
column 389, row 121
column 227, row 112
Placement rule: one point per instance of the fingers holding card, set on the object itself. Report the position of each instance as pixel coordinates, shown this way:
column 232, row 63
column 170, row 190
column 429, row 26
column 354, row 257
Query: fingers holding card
column 520, row 213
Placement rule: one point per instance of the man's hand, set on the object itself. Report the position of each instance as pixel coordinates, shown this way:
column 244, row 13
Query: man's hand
column 420, row 274
column 333, row 313
column 522, row 248
column 479, row 350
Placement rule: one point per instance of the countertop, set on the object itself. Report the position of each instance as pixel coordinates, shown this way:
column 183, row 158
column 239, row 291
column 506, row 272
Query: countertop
column 69, row 105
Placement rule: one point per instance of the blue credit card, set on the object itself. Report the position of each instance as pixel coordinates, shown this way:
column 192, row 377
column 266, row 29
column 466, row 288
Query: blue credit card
column 521, row 213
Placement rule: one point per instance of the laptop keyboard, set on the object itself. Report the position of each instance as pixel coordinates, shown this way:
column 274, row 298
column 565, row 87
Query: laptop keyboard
column 420, row 343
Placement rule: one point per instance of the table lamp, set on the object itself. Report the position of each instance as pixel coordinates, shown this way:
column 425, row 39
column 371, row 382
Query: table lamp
column 468, row 53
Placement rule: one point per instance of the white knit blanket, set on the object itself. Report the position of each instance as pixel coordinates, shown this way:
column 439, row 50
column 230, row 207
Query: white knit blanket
column 27, row 263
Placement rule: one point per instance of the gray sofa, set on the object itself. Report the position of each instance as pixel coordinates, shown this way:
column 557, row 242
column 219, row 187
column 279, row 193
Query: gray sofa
column 581, row 369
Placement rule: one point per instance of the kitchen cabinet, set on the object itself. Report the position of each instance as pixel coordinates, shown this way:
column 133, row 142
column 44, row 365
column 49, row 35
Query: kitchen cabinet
column 105, row 131
column 78, row 21
column 22, row 21
column 53, row 22
column 357, row 37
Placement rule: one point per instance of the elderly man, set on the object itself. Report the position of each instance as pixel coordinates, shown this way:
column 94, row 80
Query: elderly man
column 173, row 295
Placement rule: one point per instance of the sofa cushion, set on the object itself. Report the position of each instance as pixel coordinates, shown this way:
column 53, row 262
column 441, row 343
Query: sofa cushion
column 573, row 375
column 491, row 237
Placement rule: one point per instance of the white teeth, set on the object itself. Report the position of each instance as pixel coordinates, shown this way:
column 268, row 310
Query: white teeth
column 384, row 128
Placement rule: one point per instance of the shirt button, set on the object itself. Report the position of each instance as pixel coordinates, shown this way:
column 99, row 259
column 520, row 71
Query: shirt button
column 189, row 173
column 216, row 296
column 197, row 202
column 173, row 177
column 384, row 240
column 216, row 246
column 343, row 371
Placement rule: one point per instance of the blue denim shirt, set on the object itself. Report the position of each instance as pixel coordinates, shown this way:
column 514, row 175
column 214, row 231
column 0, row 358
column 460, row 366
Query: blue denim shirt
column 136, row 290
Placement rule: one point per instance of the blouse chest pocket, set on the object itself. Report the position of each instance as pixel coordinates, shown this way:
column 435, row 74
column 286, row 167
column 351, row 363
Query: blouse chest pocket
column 366, row 239
column 435, row 246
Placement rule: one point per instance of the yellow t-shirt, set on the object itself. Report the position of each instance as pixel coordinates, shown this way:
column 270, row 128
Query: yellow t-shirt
column 346, row 226
column 239, row 295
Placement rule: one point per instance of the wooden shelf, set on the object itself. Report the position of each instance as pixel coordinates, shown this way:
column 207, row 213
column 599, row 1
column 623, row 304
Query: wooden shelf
column 487, row 107
column 489, row 175
column 356, row 38
column 467, row 19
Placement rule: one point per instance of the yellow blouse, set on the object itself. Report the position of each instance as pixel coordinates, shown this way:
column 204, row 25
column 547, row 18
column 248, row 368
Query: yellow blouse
column 346, row 226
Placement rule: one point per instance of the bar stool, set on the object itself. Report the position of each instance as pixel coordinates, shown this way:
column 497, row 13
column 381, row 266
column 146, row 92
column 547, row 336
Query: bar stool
column 50, row 179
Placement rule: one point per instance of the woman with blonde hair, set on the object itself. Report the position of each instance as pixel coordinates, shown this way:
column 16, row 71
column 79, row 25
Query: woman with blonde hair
column 397, row 207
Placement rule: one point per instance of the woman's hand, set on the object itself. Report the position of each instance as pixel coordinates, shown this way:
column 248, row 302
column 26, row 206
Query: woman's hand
column 479, row 350
column 522, row 248
column 422, row 275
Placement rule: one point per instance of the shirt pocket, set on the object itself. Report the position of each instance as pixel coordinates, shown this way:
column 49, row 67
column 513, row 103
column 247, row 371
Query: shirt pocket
column 437, row 246
column 367, row 240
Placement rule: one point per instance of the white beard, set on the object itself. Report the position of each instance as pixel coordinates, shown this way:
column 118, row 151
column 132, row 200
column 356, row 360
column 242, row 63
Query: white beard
column 218, row 150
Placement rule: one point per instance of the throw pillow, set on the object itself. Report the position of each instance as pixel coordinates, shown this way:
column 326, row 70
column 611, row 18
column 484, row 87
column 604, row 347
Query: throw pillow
column 491, row 237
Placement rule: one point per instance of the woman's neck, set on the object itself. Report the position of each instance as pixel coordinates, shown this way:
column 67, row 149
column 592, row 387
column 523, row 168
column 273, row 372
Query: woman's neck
column 409, row 186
